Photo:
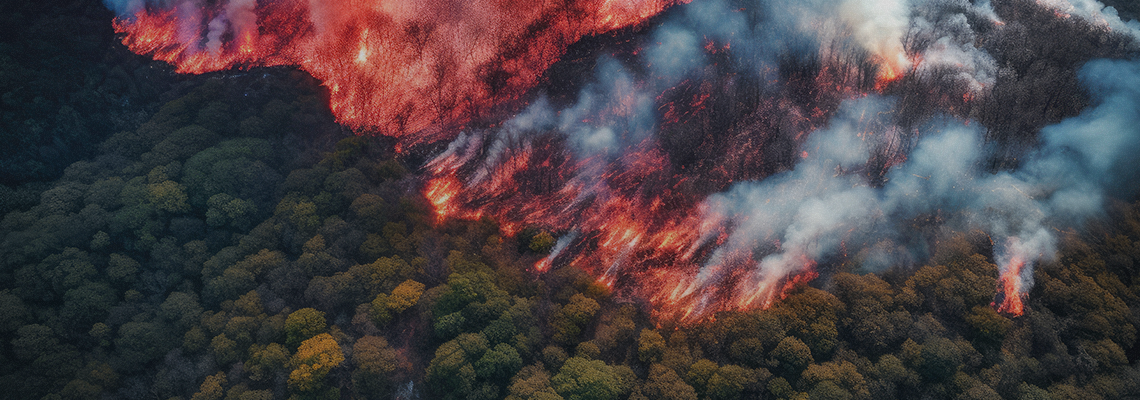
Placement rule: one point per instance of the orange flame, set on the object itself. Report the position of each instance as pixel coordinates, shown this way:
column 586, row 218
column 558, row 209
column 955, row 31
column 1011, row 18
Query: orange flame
column 442, row 192
column 642, row 227
column 1010, row 288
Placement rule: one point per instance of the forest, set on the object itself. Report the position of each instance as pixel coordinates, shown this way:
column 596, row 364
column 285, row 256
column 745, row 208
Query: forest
column 220, row 236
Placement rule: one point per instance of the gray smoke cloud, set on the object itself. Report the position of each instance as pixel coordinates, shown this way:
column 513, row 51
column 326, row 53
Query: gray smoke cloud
column 811, row 209
column 763, row 231
column 1094, row 12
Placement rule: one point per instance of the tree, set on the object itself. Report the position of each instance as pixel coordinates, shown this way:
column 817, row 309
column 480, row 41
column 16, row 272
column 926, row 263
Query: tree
column 452, row 370
column 225, row 350
column 542, row 243
column 498, row 363
column 249, row 304
column 168, row 196
column 375, row 362
column 139, row 343
column 121, row 269
column 699, row 374
column 12, row 311
column 315, row 358
column 730, row 381
column 588, row 350
column 793, row 355
column 405, row 296
column 582, row 379
column 265, row 361
column 749, row 351
column 572, row 317
column 372, row 354
column 650, row 346
column 213, row 388
column 372, row 211
column 304, row 324
column 181, row 309
column 842, row 373
column 664, row 383
column 87, row 303
column 225, row 210
column 940, row 359
column 33, row 341
column 532, row 383
column 811, row 315
column 989, row 327
column 828, row 390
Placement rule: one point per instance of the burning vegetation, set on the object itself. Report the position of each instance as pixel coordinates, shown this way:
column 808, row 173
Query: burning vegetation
column 612, row 199
column 652, row 174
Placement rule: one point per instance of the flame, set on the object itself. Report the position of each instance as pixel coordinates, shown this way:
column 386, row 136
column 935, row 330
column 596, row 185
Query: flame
column 442, row 193
column 403, row 69
column 422, row 71
column 630, row 222
column 631, row 216
column 1010, row 288
column 887, row 75
column 892, row 71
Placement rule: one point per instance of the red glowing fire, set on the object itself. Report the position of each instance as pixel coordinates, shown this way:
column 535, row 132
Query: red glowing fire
column 414, row 69
column 422, row 70
column 1010, row 288
column 636, row 219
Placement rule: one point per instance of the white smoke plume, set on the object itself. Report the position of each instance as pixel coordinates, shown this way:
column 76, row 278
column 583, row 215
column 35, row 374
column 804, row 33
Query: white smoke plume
column 942, row 39
column 812, row 208
column 1094, row 12
column 763, row 231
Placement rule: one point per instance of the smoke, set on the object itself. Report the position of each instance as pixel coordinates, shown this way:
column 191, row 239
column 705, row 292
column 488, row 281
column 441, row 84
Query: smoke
column 942, row 36
column 804, row 213
column 752, row 236
column 807, row 212
column 1094, row 12
column 125, row 7
column 879, row 26
column 739, row 145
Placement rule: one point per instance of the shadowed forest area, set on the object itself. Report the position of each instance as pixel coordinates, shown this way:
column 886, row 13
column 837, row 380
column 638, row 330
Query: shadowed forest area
column 230, row 241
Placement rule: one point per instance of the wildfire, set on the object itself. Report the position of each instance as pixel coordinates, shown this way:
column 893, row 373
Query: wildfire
column 634, row 213
column 417, row 69
column 1010, row 288
column 442, row 193
column 887, row 75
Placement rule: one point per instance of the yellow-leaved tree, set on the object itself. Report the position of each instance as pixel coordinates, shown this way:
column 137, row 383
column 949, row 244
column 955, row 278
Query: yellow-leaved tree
column 314, row 359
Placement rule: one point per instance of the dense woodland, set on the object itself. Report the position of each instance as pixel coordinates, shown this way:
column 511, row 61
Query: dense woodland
column 233, row 242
